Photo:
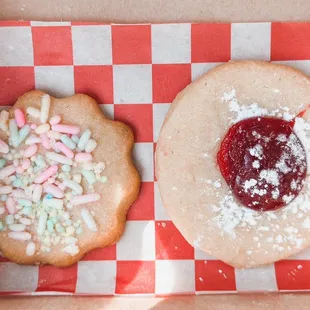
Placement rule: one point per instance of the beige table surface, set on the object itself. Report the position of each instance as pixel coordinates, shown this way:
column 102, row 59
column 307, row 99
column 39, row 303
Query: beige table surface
column 131, row 11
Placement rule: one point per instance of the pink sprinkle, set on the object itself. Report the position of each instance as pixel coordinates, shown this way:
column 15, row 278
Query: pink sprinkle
column 30, row 150
column 15, row 162
column 26, row 163
column 20, row 169
column 55, row 120
column 4, row 148
column 46, row 174
column 64, row 149
column 33, row 126
column 45, row 184
column 7, row 171
column 20, row 118
column 54, row 190
column 80, row 200
column 10, row 205
column 19, row 194
column 51, row 180
column 82, row 157
column 45, row 141
column 62, row 187
column 73, row 130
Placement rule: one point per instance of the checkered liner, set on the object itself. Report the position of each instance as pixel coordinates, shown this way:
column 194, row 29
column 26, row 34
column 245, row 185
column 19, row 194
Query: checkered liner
column 135, row 71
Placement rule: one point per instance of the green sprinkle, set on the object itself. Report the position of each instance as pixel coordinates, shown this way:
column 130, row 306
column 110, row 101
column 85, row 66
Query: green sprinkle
column 14, row 136
column 2, row 162
column 27, row 211
column 37, row 169
column 40, row 161
column 4, row 197
column 9, row 219
column 50, row 226
column 89, row 176
column 1, row 226
column 104, row 179
column 23, row 133
column 24, row 202
column 68, row 222
column 68, row 142
column 79, row 230
column 53, row 220
column 76, row 225
column 59, row 228
column 65, row 168
column 75, row 138
column 84, row 139
column 17, row 182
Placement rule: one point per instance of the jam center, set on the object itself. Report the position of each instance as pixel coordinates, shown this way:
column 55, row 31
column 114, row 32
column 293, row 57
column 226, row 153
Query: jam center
column 263, row 162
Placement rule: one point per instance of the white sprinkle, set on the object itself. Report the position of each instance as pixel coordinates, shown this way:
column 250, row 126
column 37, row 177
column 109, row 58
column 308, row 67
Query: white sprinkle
column 45, row 107
column 17, row 227
column 77, row 178
column 42, row 129
column 33, row 112
column 59, row 158
column 74, row 186
column 53, row 203
column 89, row 220
column 37, row 193
column 33, row 140
column 84, row 199
column 42, row 223
column 30, row 249
column 71, row 249
column 17, row 235
column 25, row 221
column 299, row 267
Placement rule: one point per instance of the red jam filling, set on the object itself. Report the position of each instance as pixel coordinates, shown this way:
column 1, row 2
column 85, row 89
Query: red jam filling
column 263, row 162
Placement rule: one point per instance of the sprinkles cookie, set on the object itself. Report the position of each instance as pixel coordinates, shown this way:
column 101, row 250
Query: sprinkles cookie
column 67, row 179
column 233, row 162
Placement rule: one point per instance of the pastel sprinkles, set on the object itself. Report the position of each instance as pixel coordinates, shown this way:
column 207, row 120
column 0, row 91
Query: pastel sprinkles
column 42, row 169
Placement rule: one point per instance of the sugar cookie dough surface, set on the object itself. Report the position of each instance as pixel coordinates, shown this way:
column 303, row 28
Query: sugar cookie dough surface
column 93, row 183
column 193, row 190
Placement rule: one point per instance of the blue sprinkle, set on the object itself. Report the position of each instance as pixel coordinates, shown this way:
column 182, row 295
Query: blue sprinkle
column 49, row 196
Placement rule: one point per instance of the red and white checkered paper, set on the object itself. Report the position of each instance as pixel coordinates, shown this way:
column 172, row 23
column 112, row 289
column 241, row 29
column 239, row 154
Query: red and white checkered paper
column 134, row 72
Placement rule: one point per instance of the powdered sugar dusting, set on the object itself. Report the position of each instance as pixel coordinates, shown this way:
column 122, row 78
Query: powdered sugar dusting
column 231, row 217
column 252, row 110
column 270, row 176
